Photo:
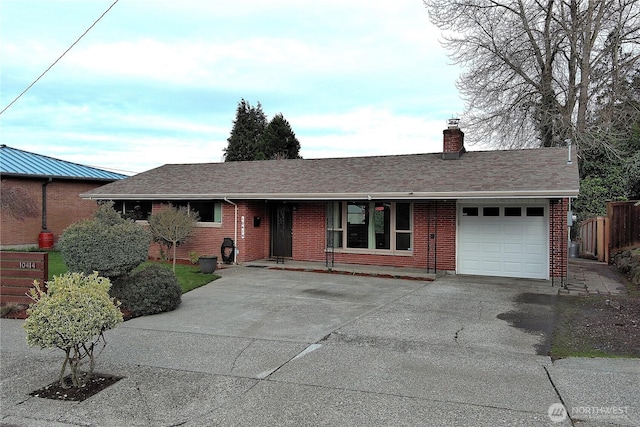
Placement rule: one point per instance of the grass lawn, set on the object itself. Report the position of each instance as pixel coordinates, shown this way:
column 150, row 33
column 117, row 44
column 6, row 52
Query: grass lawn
column 189, row 276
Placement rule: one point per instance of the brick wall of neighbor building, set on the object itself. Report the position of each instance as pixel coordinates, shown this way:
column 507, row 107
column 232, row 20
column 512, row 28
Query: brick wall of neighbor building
column 64, row 207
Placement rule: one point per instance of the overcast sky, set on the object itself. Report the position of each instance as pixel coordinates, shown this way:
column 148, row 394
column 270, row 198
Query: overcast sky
column 158, row 81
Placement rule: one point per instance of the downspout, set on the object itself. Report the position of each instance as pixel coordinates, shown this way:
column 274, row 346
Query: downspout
column 235, row 230
column 429, row 241
column 435, row 243
column 44, row 204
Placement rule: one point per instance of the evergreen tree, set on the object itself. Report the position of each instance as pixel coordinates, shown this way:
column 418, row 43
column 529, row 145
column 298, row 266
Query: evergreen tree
column 245, row 141
column 279, row 140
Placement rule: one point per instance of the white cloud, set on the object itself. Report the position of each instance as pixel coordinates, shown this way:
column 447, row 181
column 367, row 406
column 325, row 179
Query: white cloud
column 157, row 82
column 367, row 131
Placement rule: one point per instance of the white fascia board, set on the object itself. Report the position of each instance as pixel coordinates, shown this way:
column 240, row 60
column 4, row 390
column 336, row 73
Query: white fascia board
column 455, row 195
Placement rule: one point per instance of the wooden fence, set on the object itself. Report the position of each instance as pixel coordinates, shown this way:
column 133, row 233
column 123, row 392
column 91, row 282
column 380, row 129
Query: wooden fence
column 620, row 229
column 625, row 224
column 594, row 238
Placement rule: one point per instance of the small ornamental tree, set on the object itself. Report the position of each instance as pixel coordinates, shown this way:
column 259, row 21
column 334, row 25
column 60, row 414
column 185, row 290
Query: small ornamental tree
column 72, row 316
column 173, row 226
column 107, row 243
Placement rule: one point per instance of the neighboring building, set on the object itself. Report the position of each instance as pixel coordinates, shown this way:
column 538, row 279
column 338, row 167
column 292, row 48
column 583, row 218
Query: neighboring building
column 497, row 213
column 40, row 193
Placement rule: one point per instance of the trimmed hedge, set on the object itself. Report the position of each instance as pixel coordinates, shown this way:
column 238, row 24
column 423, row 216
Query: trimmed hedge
column 150, row 290
column 108, row 244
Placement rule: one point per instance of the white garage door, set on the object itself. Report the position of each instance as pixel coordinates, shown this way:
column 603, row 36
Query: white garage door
column 509, row 241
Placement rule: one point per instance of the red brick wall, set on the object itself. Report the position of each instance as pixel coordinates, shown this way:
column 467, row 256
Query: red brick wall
column 453, row 140
column 255, row 244
column 434, row 236
column 437, row 234
column 558, row 238
column 208, row 240
column 64, row 207
column 308, row 232
column 309, row 238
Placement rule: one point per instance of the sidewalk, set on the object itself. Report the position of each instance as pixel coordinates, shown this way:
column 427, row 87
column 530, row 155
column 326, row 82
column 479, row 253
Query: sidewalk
column 589, row 277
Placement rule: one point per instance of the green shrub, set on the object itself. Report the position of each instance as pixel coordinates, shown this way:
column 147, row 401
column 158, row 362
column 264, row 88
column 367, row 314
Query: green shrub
column 108, row 244
column 151, row 289
column 72, row 316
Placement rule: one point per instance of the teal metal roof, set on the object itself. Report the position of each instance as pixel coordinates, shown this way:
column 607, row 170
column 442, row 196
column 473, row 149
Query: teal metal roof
column 17, row 162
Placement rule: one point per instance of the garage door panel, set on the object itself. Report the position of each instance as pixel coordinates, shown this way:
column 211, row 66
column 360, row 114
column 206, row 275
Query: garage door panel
column 472, row 266
column 512, row 248
column 512, row 230
column 533, row 269
column 491, row 248
column 472, row 247
column 530, row 249
column 503, row 246
column 512, row 267
column 490, row 229
column 491, row 268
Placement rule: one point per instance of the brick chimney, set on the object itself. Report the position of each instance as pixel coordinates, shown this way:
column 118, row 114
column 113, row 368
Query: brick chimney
column 453, row 141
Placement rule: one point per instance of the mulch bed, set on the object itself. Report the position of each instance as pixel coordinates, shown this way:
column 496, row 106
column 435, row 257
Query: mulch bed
column 613, row 324
column 607, row 325
column 96, row 383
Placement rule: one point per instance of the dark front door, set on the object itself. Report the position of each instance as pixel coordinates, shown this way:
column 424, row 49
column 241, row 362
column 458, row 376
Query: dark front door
column 281, row 227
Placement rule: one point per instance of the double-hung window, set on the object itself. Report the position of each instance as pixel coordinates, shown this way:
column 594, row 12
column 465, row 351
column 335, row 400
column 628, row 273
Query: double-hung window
column 368, row 225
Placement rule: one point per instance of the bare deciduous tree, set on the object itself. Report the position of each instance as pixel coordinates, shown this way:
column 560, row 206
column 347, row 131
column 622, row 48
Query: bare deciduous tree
column 173, row 226
column 17, row 203
column 537, row 70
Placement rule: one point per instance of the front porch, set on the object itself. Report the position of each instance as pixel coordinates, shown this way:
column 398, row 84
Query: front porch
column 354, row 269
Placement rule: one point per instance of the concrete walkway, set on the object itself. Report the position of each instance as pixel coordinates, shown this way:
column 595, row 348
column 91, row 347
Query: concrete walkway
column 589, row 277
column 269, row 347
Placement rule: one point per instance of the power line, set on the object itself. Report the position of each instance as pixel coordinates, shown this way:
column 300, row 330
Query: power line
column 60, row 57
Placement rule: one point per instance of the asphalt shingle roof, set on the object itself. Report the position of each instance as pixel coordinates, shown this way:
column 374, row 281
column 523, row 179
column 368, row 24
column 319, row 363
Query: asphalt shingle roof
column 17, row 162
column 515, row 173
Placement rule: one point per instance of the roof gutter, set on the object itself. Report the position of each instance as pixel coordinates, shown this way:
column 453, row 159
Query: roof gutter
column 406, row 195
column 235, row 230
column 60, row 177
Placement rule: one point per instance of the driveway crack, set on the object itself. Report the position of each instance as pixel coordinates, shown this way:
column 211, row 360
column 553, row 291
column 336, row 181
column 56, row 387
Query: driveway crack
column 559, row 396
column 456, row 336
column 233, row 364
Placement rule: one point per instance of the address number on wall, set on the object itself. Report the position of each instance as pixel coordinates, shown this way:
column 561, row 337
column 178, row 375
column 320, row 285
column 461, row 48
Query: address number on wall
column 27, row 264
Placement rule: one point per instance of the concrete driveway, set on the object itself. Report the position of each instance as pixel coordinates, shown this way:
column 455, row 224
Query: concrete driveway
column 263, row 347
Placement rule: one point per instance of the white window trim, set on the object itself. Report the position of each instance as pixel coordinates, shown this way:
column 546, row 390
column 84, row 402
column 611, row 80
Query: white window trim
column 392, row 244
